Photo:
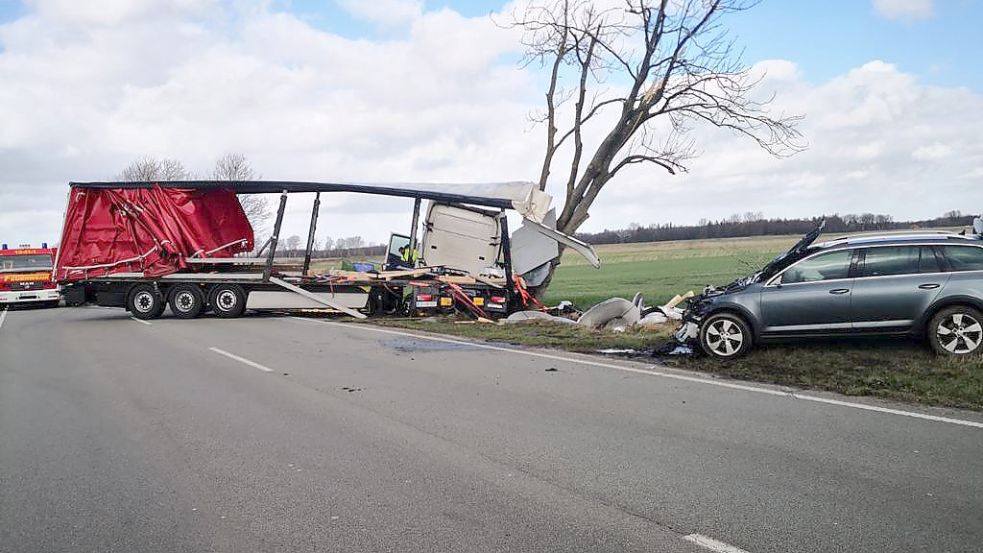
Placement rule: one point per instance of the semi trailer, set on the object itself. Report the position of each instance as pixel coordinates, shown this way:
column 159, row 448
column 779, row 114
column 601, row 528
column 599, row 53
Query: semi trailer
column 187, row 245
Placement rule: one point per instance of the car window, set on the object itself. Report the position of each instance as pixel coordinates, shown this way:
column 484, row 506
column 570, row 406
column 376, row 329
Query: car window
column 825, row 266
column 964, row 258
column 899, row 260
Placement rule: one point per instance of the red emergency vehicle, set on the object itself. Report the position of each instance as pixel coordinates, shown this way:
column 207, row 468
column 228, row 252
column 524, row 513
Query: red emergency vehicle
column 25, row 276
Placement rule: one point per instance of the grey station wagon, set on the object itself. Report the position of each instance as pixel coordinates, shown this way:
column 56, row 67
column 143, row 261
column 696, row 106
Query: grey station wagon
column 923, row 285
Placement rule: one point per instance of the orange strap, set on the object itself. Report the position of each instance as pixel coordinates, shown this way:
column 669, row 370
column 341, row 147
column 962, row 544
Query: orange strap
column 525, row 296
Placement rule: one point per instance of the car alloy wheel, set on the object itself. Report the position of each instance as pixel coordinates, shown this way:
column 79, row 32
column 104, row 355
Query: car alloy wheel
column 959, row 333
column 725, row 336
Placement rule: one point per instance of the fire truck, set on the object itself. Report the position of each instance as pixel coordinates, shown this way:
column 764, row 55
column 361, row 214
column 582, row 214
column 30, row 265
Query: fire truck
column 25, row 276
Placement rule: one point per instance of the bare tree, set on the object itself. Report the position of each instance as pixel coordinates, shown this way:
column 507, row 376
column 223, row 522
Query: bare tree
column 235, row 167
column 643, row 75
column 151, row 169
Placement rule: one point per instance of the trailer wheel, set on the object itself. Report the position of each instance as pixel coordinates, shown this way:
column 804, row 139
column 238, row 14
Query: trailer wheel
column 145, row 302
column 228, row 301
column 187, row 301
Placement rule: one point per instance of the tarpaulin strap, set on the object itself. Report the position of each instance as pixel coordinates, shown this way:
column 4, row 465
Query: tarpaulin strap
column 525, row 296
column 241, row 241
column 462, row 296
column 113, row 264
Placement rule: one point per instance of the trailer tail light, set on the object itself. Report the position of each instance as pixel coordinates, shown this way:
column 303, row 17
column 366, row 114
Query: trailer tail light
column 497, row 299
column 478, row 300
column 446, row 302
column 424, row 297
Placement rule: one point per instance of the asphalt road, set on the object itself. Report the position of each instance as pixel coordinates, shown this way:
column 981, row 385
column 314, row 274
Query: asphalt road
column 279, row 434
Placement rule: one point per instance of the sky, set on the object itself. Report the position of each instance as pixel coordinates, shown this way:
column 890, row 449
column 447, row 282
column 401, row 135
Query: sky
column 435, row 91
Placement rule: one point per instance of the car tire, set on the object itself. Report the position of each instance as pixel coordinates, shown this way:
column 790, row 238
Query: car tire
column 187, row 301
column 144, row 302
column 725, row 336
column 956, row 331
column 228, row 301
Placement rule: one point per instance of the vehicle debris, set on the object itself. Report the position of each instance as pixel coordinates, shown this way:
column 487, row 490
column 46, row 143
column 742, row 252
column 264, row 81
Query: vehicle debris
column 611, row 314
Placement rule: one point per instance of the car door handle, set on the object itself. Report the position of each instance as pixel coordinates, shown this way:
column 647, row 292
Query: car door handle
column 839, row 291
column 930, row 286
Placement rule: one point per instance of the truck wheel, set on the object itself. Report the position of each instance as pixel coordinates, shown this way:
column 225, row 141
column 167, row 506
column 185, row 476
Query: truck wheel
column 725, row 336
column 145, row 302
column 228, row 301
column 187, row 301
column 956, row 331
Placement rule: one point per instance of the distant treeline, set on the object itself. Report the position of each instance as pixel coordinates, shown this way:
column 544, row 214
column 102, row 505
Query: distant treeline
column 753, row 224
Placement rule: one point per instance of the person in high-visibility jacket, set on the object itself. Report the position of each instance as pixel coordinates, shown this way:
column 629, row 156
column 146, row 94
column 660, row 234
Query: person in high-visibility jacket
column 409, row 255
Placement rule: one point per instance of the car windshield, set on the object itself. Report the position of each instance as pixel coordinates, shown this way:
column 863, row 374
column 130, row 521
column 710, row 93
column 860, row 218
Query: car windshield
column 26, row 262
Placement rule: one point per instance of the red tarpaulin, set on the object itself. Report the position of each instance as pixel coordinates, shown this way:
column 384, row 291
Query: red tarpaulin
column 148, row 230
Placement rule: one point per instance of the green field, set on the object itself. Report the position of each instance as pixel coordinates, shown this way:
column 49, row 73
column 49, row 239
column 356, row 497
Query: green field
column 660, row 270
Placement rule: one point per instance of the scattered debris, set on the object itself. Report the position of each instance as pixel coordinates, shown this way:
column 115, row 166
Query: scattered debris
column 612, row 314
column 551, row 370
column 674, row 349
column 523, row 316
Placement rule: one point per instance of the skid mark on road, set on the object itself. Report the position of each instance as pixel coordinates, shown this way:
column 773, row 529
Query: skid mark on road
column 662, row 374
column 242, row 360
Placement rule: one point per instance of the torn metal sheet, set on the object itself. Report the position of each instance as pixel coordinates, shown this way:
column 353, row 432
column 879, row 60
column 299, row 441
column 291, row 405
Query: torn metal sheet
column 531, row 248
column 579, row 246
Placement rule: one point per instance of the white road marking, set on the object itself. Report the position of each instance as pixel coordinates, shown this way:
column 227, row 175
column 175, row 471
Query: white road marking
column 652, row 372
column 141, row 321
column 242, row 360
column 3, row 317
column 712, row 544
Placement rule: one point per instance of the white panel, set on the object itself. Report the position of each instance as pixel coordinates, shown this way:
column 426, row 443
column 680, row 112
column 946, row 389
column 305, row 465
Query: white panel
column 531, row 248
column 460, row 238
column 290, row 300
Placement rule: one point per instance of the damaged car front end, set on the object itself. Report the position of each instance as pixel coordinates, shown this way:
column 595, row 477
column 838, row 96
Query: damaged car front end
column 734, row 307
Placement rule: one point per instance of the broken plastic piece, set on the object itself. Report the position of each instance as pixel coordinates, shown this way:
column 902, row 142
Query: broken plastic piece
column 614, row 308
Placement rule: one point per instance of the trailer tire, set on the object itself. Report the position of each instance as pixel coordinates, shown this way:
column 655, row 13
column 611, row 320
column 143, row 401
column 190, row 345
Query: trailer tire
column 145, row 302
column 228, row 301
column 187, row 301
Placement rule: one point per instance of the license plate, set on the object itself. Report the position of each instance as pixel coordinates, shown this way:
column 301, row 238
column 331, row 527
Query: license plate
column 446, row 302
column 426, row 304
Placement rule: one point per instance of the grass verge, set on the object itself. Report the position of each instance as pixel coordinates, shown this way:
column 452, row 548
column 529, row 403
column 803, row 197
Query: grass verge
column 889, row 369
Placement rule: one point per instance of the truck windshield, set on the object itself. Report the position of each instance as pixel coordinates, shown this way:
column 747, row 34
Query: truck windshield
column 24, row 262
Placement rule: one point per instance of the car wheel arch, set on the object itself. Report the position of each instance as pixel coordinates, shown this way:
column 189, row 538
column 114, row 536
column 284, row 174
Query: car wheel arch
column 945, row 303
column 739, row 311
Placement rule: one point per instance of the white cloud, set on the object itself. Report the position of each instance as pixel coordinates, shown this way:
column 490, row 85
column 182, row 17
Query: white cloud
column 80, row 98
column 384, row 12
column 905, row 10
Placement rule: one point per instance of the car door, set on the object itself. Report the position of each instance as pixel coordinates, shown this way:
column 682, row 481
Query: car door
column 895, row 285
column 811, row 296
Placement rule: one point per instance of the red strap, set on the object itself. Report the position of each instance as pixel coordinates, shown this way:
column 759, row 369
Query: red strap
column 525, row 296
column 462, row 297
